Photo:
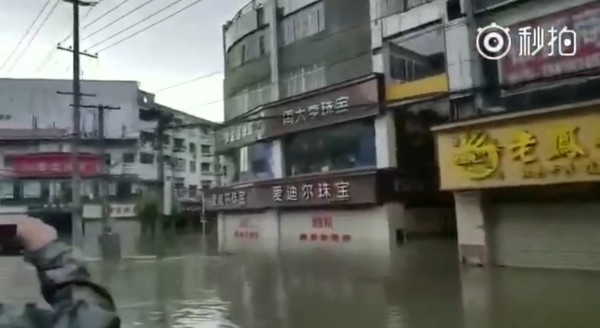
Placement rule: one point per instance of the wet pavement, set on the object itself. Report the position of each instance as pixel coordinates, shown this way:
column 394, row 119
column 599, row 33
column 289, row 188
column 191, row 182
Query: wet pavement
column 419, row 286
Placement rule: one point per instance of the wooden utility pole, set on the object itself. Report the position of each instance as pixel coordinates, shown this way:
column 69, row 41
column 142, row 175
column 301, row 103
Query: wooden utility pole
column 77, row 208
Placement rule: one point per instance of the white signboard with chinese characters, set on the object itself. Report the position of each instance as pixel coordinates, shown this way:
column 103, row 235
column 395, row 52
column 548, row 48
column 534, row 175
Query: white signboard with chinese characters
column 339, row 191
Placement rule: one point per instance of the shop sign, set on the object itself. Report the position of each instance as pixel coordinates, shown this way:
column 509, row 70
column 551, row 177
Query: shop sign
column 54, row 165
column 344, row 103
column 238, row 135
column 577, row 27
column 544, row 150
column 296, row 192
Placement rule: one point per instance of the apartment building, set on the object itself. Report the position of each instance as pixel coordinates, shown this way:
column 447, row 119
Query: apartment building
column 35, row 129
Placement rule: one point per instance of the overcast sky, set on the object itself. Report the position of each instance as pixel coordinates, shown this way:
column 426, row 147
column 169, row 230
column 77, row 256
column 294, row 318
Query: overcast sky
column 184, row 47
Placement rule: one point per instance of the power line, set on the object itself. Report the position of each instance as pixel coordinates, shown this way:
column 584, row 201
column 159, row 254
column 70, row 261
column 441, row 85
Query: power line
column 118, row 19
column 37, row 17
column 34, row 36
column 86, row 16
column 106, row 13
column 136, row 24
column 187, row 82
column 149, row 26
column 46, row 60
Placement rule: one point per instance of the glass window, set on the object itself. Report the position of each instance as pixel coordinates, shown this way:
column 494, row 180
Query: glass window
column 304, row 23
column 418, row 55
column 345, row 146
column 255, row 162
column 192, row 148
column 205, row 167
column 305, row 79
column 193, row 166
column 206, row 149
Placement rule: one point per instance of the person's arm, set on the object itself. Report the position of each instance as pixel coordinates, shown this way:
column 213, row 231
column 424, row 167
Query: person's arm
column 76, row 301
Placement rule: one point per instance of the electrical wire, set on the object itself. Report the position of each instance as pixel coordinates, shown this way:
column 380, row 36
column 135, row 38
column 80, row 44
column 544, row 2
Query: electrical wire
column 85, row 17
column 34, row 36
column 46, row 60
column 148, row 27
column 187, row 82
column 118, row 19
column 37, row 17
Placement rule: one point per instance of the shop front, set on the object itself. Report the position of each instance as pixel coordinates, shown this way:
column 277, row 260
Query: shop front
column 335, row 209
column 526, row 187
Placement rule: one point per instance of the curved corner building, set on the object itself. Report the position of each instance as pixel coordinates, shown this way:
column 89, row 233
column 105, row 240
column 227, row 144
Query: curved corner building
column 310, row 154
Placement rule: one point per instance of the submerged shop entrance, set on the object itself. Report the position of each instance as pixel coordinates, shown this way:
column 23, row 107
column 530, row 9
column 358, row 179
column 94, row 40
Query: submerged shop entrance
column 546, row 227
column 427, row 212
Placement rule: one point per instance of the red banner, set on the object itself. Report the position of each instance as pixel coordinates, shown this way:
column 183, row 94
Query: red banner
column 54, row 165
column 584, row 21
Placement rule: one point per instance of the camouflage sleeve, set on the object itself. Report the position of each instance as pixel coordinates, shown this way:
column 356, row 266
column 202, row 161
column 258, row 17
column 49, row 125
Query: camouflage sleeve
column 76, row 301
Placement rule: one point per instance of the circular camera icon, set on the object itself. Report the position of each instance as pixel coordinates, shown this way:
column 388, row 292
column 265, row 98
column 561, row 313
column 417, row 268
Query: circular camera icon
column 493, row 42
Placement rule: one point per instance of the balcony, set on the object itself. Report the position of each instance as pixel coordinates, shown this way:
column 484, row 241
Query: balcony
column 416, row 65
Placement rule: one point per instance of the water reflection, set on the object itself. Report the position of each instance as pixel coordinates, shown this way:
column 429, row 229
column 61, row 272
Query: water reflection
column 419, row 285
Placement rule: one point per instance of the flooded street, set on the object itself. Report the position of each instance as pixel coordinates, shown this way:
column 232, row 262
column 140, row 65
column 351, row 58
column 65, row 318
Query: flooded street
column 420, row 286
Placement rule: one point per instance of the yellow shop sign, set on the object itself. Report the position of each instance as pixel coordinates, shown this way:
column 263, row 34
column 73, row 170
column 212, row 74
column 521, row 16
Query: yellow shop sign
column 556, row 148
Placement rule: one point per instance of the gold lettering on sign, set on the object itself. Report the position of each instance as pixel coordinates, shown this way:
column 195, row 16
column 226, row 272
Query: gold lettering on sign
column 523, row 146
column 478, row 155
column 534, row 172
column 593, row 168
column 566, row 144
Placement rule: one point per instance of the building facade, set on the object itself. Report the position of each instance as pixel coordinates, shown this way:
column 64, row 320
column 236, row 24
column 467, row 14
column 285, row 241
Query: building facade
column 310, row 150
column 34, row 131
column 521, row 156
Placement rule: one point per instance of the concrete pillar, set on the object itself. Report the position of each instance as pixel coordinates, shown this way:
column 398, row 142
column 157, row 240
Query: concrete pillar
column 470, row 222
column 270, row 11
column 221, row 231
column 278, row 162
column 385, row 141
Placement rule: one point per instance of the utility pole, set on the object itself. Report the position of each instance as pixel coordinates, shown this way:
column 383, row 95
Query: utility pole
column 77, row 208
column 109, row 240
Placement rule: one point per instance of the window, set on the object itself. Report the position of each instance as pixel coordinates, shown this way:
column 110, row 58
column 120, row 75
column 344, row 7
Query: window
column 206, row 149
column 205, row 167
column 192, row 148
column 206, row 184
column 8, row 160
column 418, row 55
column 254, row 162
column 346, row 146
column 107, row 159
column 128, row 158
column 260, row 16
column 262, row 47
column 146, row 158
column 193, row 191
column 123, row 189
column 180, row 165
column 193, row 166
column 147, row 137
column 304, row 23
column 304, row 80
column 243, row 54
column 178, row 144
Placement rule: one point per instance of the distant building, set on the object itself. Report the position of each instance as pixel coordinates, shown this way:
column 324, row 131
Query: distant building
column 36, row 120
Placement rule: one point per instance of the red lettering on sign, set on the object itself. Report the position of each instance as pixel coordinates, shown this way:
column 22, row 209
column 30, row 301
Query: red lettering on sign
column 322, row 222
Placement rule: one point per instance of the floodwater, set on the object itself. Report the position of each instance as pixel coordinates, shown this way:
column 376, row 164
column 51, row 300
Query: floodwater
column 419, row 285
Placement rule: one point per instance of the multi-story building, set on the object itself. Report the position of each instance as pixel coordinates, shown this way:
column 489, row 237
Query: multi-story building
column 522, row 153
column 35, row 126
column 310, row 152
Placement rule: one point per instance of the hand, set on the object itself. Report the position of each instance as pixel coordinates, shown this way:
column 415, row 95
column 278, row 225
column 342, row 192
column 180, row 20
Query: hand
column 34, row 233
